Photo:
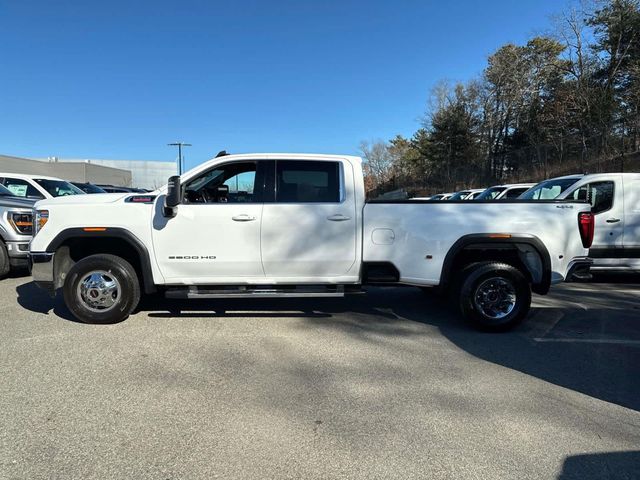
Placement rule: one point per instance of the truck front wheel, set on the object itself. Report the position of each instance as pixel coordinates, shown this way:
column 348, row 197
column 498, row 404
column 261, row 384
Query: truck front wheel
column 101, row 289
column 494, row 296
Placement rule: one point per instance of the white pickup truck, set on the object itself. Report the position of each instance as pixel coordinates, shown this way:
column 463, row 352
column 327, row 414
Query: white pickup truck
column 615, row 202
column 264, row 225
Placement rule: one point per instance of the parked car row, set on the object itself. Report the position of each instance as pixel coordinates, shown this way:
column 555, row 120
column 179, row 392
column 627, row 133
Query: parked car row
column 39, row 187
column 497, row 192
column 103, row 188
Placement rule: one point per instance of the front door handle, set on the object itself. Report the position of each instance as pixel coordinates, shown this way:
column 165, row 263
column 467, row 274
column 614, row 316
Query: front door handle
column 243, row 218
column 338, row 218
column 613, row 220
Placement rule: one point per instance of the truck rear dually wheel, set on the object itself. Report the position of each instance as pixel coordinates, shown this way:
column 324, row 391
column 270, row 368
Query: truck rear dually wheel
column 494, row 296
column 101, row 289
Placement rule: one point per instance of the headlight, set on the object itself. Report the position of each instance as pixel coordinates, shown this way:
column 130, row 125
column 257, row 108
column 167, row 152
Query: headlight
column 42, row 216
column 21, row 222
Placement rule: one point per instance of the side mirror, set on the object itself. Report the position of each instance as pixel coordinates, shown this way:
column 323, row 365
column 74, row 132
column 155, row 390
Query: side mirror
column 173, row 198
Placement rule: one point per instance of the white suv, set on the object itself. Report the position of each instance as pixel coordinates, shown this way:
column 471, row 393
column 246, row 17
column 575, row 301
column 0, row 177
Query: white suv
column 37, row 186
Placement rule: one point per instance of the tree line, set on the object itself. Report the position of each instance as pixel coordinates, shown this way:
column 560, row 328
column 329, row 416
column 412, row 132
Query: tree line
column 564, row 102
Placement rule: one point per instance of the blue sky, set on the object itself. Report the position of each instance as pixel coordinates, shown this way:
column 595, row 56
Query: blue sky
column 121, row 79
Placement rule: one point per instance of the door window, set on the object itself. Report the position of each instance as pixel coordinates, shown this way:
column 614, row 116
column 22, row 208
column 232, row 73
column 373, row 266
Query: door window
column 241, row 186
column 307, row 182
column 598, row 194
column 21, row 188
column 229, row 183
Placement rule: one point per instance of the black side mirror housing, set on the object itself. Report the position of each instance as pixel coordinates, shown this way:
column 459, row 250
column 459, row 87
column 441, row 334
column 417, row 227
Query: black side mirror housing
column 173, row 198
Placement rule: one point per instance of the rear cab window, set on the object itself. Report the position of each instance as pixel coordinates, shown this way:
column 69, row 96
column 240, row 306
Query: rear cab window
column 308, row 181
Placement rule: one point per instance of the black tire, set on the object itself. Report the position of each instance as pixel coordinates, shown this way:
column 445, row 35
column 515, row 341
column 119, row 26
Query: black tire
column 493, row 296
column 111, row 270
column 5, row 266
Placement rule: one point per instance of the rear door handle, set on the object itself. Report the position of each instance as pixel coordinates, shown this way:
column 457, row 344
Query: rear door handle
column 613, row 220
column 338, row 218
column 243, row 218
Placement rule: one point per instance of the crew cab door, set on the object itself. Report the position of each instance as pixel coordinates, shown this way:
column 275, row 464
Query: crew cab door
column 309, row 228
column 607, row 203
column 215, row 236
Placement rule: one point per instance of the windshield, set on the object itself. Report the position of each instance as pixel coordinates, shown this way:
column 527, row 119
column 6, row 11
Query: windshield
column 491, row 193
column 90, row 188
column 549, row 189
column 459, row 195
column 58, row 188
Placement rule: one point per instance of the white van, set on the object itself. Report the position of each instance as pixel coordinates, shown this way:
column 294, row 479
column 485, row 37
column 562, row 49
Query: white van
column 615, row 201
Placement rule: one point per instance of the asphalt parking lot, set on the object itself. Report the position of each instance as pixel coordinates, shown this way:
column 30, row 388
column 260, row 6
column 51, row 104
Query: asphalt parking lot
column 387, row 385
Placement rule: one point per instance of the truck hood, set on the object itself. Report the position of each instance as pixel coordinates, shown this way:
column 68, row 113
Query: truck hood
column 17, row 202
column 93, row 199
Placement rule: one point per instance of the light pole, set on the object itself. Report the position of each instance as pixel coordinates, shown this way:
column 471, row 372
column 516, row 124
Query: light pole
column 179, row 145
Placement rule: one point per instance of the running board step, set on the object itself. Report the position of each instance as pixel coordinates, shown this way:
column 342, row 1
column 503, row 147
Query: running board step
column 255, row 292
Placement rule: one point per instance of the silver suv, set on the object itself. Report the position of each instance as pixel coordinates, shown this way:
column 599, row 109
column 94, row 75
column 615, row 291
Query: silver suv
column 16, row 226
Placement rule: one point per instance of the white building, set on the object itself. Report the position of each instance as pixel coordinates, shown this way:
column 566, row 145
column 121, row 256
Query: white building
column 148, row 174
column 72, row 171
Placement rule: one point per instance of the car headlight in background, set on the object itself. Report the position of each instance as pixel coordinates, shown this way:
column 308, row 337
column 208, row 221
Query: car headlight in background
column 41, row 218
column 21, row 222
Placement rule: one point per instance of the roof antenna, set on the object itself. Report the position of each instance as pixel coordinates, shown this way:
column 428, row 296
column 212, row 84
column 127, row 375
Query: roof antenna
column 222, row 153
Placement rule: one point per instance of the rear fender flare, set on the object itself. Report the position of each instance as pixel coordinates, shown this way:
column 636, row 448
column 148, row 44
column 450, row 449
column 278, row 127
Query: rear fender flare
column 530, row 249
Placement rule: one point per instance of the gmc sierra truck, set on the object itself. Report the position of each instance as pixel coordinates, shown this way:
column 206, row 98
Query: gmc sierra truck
column 264, row 225
column 15, row 230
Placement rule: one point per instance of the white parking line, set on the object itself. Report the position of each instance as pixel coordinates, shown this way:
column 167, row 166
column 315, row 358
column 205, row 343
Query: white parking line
column 612, row 341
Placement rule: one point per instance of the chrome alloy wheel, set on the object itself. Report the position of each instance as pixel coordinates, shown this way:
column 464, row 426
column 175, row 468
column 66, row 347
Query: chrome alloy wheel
column 99, row 291
column 495, row 297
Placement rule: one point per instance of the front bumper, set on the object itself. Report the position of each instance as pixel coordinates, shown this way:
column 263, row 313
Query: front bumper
column 41, row 264
column 18, row 252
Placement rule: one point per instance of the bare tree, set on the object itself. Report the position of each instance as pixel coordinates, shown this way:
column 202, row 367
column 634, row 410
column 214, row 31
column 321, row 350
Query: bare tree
column 378, row 161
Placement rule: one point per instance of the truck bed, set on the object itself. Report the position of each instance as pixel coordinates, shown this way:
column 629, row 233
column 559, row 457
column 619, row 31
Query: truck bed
column 416, row 235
